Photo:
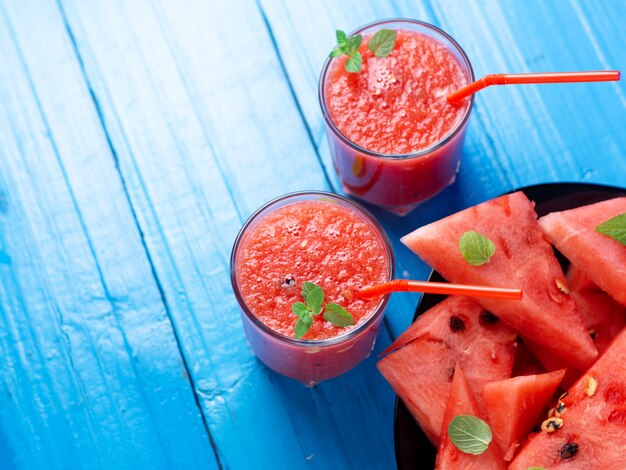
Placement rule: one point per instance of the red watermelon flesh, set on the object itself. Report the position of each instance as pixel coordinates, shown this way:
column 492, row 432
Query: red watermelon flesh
column 420, row 374
column 578, row 280
column 593, row 435
column 515, row 405
column 457, row 330
column 523, row 259
column 437, row 322
column 600, row 257
column 603, row 317
column 462, row 402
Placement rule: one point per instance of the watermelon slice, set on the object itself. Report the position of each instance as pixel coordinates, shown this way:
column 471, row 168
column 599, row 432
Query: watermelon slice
column 437, row 322
column 461, row 402
column 522, row 259
column 593, row 432
column 603, row 317
column 420, row 374
column 578, row 280
column 457, row 330
column 515, row 405
column 600, row 257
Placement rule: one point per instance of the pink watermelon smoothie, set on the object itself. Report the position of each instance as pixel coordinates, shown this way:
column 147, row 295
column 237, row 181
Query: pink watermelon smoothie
column 310, row 237
column 394, row 137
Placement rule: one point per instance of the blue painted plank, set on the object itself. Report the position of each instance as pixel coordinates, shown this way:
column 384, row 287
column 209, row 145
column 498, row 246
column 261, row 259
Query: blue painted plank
column 204, row 137
column 206, row 130
column 90, row 373
column 517, row 135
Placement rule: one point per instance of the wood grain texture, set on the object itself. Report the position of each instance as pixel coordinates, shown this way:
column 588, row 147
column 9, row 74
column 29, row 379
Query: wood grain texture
column 90, row 373
column 206, row 130
column 517, row 136
column 135, row 139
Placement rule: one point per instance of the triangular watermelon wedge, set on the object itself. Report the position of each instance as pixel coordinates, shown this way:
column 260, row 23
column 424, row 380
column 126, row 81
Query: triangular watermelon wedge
column 522, row 259
column 462, row 402
column 604, row 319
column 457, row 330
column 593, row 431
column 420, row 374
column 600, row 257
column 513, row 407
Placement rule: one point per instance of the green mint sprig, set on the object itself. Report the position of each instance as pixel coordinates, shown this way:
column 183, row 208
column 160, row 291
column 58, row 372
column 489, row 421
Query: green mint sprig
column 349, row 46
column 381, row 44
column 476, row 248
column 614, row 228
column 313, row 297
column 469, row 434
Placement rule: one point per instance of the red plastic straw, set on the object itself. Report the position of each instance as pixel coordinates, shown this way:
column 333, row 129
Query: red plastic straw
column 404, row 285
column 532, row 78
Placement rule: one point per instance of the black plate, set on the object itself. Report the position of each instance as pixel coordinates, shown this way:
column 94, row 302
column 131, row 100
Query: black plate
column 413, row 449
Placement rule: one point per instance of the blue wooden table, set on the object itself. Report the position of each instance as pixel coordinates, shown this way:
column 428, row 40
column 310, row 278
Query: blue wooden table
column 135, row 139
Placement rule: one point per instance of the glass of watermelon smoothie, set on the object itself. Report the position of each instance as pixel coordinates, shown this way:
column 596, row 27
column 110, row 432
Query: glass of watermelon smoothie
column 394, row 138
column 313, row 237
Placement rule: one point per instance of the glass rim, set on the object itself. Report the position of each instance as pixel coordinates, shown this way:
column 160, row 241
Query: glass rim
column 420, row 153
column 379, row 309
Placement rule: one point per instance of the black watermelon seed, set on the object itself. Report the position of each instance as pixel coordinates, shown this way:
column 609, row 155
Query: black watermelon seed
column 488, row 318
column 569, row 450
column 457, row 324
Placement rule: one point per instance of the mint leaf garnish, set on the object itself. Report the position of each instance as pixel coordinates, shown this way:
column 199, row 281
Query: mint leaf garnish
column 614, row 228
column 338, row 315
column 313, row 296
column 300, row 309
column 353, row 64
column 353, row 44
column 303, row 325
column 307, row 288
column 381, row 44
column 336, row 52
column 476, row 248
column 469, row 434
column 348, row 46
column 342, row 38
